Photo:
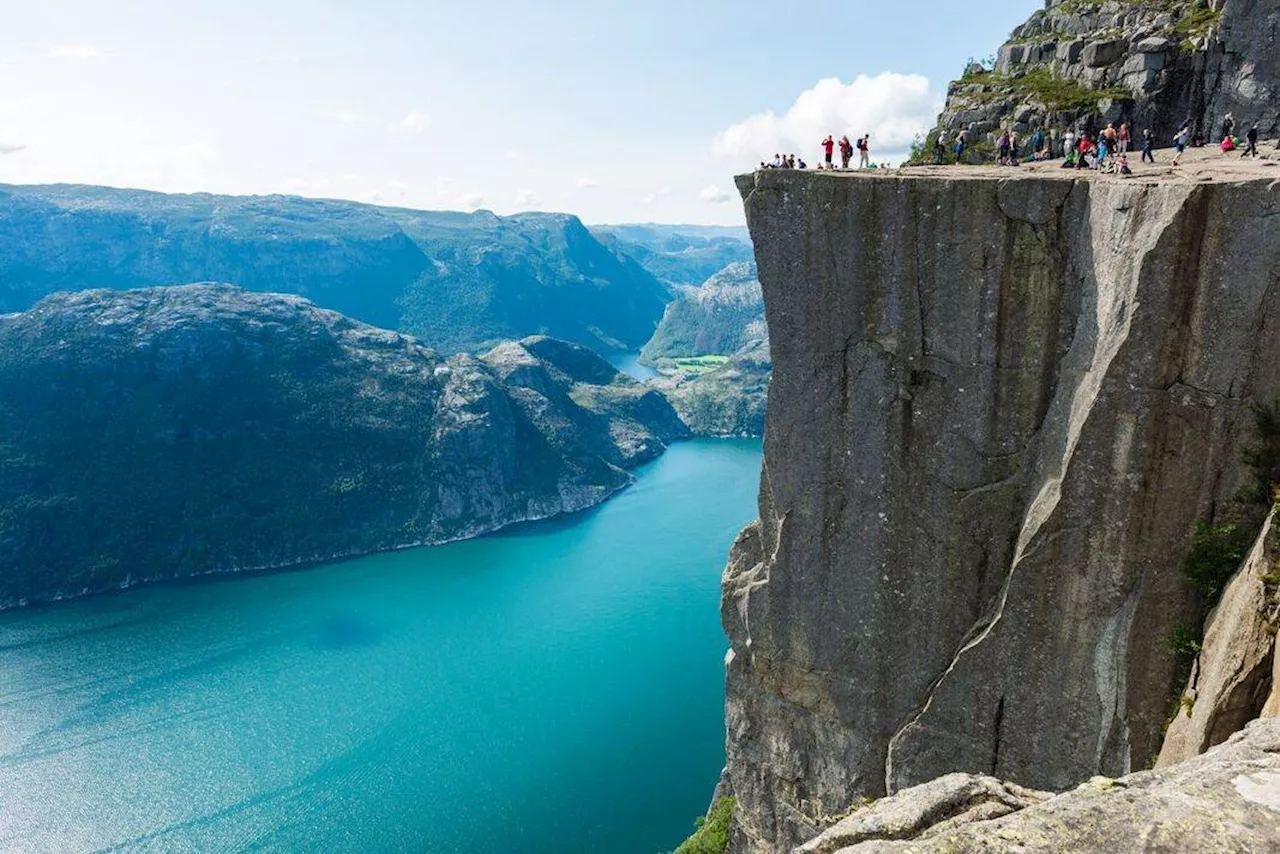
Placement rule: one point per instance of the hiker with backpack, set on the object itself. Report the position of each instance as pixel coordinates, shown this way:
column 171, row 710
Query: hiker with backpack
column 846, row 152
column 864, row 152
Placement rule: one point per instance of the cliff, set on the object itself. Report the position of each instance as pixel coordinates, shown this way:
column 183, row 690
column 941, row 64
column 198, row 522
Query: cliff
column 455, row 281
column 175, row 432
column 1152, row 63
column 998, row 410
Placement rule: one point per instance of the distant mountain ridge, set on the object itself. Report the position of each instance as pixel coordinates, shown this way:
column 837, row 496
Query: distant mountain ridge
column 180, row 431
column 456, row 281
column 680, row 254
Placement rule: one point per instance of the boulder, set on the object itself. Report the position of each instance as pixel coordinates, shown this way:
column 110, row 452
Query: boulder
column 1225, row 800
column 1103, row 53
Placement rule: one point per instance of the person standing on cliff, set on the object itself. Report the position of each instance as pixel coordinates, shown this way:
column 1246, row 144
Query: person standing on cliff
column 1069, row 143
column 1251, row 141
column 1180, row 143
column 1123, row 138
column 960, row 141
column 828, row 146
column 864, row 151
column 1148, row 145
column 846, row 152
column 1228, row 125
column 940, row 149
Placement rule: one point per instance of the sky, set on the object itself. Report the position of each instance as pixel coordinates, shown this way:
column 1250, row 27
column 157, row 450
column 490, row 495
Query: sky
column 615, row 110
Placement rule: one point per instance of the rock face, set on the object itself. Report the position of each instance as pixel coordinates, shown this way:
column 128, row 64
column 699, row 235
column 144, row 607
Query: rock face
column 456, row 281
column 1153, row 63
column 998, row 409
column 172, row 432
column 723, row 315
column 1231, row 680
column 1226, row 800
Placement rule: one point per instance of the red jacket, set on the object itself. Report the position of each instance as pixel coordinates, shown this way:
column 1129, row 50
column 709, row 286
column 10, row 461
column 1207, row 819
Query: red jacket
column 827, row 145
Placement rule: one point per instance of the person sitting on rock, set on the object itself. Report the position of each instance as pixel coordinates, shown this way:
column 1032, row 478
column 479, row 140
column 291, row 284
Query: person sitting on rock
column 1228, row 144
column 777, row 161
column 1123, row 167
column 791, row 161
column 1002, row 149
column 1251, row 142
column 1014, row 156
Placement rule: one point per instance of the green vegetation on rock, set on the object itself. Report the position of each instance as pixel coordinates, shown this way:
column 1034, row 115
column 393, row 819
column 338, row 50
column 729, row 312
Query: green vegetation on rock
column 711, row 834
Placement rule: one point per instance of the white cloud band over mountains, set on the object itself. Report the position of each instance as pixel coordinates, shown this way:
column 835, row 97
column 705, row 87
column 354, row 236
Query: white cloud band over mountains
column 893, row 108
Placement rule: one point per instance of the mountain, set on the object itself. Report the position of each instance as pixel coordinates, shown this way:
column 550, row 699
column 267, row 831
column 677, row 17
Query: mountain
column 679, row 254
column 720, row 317
column 456, row 281
column 175, row 432
column 1152, row 63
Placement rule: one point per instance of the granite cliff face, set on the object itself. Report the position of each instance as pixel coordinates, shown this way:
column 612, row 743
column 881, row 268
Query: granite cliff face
column 1153, row 63
column 998, row 409
column 173, row 432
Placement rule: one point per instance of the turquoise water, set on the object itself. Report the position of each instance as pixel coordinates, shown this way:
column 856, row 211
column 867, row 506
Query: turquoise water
column 629, row 364
column 555, row 689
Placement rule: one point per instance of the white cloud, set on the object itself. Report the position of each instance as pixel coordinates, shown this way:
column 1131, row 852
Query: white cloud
column 654, row 196
column 416, row 122
column 10, row 148
column 714, row 194
column 346, row 116
column 528, row 199
column 586, row 183
column 71, row 51
column 893, row 108
column 471, row 201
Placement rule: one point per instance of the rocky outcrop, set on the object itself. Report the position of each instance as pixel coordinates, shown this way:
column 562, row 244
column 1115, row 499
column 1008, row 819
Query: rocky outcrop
column 1231, row 679
column 1226, row 800
column 174, row 432
column 1152, row 63
column 722, row 316
column 998, row 409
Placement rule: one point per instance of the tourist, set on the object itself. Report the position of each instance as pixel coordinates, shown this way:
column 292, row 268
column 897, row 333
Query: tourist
column 1124, row 165
column 791, row 161
column 1104, row 150
column 1251, row 141
column 1180, row 142
column 1228, row 124
column 961, row 138
column 1148, row 146
column 864, row 152
column 828, row 146
column 1228, row 145
column 1002, row 149
column 777, row 161
column 800, row 164
column 1069, row 143
column 1110, row 138
column 1083, row 149
column 846, row 152
column 940, row 149
column 1014, row 157
column 1037, row 144
column 1123, row 138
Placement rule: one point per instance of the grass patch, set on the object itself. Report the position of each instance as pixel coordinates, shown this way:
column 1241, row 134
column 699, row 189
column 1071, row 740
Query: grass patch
column 711, row 832
column 1040, row 85
column 692, row 365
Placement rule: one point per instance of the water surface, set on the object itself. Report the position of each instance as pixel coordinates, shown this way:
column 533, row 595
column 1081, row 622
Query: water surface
column 556, row 689
column 629, row 364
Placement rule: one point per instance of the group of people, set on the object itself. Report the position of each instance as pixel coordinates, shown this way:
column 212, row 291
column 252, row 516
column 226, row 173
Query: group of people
column 1231, row 143
column 829, row 146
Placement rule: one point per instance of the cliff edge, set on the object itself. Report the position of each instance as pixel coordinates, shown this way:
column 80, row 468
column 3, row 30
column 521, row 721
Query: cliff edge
column 999, row 407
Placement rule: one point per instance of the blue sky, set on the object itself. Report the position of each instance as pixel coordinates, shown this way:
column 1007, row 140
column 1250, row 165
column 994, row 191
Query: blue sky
column 616, row 111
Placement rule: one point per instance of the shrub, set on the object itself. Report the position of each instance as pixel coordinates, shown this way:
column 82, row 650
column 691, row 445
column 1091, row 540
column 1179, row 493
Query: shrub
column 711, row 833
column 1263, row 456
column 1216, row 554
